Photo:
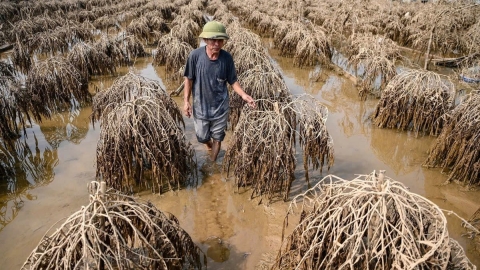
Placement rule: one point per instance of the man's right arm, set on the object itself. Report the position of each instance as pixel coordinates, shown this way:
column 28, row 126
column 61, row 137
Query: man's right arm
column 187, row 91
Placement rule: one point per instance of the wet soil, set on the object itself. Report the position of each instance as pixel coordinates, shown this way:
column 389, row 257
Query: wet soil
column 233, row 230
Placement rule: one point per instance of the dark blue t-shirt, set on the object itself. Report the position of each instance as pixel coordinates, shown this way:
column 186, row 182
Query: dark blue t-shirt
column 210, row 77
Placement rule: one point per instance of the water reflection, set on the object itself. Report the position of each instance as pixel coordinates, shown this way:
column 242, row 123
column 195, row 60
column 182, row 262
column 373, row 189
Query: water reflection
column 400, row 150
column 30, row 162
column 69, row 126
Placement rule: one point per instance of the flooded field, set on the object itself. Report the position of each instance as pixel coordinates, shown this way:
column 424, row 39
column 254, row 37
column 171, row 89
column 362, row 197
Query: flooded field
column 234, row 231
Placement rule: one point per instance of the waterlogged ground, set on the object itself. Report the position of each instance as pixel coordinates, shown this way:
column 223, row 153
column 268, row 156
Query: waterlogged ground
column 235, row 232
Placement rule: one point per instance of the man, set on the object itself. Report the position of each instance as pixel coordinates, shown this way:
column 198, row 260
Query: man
column 208, row 70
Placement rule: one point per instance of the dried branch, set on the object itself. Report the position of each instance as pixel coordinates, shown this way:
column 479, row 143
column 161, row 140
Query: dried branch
column 370, row 222
column 115, row 231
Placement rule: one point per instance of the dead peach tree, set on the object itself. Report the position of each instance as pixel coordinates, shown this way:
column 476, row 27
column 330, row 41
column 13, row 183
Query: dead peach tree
column 172, row 53
column 89, row 61
column 260, row 83
column 376, row 57
column 370, row 222
column 115, row 231
column 55, row 85
column 131, row 86
column 141, row 141
column 456, row 149
column 11, row 120
column 261, row 154
column 415, row 100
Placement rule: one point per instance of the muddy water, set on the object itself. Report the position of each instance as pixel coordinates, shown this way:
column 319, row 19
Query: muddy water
column 234, row 231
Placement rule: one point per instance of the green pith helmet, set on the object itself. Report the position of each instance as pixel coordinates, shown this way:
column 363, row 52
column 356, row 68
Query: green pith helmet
column 214, row 30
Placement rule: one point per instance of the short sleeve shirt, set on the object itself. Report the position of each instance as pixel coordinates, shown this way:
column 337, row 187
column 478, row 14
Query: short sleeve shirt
column 210, row 77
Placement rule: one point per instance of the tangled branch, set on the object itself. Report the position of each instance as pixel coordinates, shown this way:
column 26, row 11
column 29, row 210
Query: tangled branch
column 370, row 222
column 115, row 231
column 415, row 100
column 456, row 149
column 140, row 136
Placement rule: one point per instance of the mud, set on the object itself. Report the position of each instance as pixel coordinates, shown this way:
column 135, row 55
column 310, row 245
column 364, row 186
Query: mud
column 233, row 230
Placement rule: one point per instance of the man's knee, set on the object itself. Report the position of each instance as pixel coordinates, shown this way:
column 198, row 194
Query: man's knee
column 218, row 136
column 203, row 139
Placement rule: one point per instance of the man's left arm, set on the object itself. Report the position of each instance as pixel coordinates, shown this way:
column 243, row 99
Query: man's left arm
column 238, row 89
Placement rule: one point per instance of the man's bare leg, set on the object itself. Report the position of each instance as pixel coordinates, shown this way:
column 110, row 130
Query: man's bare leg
column 208, row 145
column 215, row 150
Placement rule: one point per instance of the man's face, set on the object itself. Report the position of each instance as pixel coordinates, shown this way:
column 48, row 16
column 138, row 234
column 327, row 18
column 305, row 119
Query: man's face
column 214, row 45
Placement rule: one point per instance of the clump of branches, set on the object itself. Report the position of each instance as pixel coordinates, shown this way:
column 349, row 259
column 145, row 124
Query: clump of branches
column 132, row 47
column 106, row 22
column 166, row 9
column 13, row 103
column 314, row 48
column 172, row 53
column 225, row 17
column 140, row 136
column 114, row 231
column 376, row 56
column 261, row 152
column 55, row 85
column 471, row 39
column 288, row 35
column 266, row 27
column 186, row 30
column 59, row 39
column 21, row 57
column 395, row 23
column 370, row 222
column 305, row 42
column 415, row 100
column 316, row 143
column 118, row 49
column 241, row 37
column 10, row 111
column 456, row 149
column 156, row 22
column 25, row 28
column 89, row 61
column 438, row 27
column 259, row 84
column 7, row 73
column 247, row 57
column 147, row 27
column 192, row 11
column 254, row 17
column 8, row 11
column 129, row 87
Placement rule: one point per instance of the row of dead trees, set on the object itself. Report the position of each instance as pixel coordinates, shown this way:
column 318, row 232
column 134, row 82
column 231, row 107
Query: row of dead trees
column 142, row 145
column 410, row 98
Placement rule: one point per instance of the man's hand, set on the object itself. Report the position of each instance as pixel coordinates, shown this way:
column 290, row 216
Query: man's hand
column 187, row 109
column 249, row 100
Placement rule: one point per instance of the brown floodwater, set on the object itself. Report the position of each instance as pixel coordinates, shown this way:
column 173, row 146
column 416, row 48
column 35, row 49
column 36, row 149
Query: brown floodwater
column 57, row 161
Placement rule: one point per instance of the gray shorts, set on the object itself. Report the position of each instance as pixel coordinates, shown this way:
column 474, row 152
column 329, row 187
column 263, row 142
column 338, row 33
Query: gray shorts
column 207, row 129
